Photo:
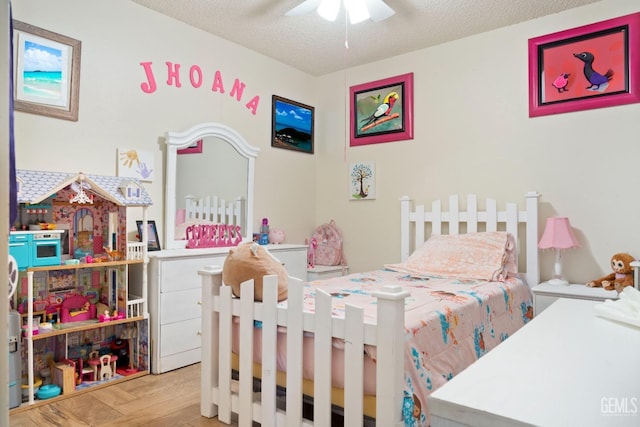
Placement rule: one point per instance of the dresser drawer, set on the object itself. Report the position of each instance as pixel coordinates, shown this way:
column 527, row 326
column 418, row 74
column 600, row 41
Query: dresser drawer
column 178, row 360
column 179, row 306
column 180, row 336
column 182, row 273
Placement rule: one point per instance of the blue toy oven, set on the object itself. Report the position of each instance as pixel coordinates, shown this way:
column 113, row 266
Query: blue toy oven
column 45, row 248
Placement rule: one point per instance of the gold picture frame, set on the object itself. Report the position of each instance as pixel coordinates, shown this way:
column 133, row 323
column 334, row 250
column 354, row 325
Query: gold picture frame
column 50, row 86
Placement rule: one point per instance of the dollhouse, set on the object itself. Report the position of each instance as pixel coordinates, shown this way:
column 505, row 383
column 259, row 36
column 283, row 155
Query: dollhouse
column 82, row 290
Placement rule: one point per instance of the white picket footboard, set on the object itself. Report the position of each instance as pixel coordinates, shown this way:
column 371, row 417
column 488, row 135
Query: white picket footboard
column 221, row 396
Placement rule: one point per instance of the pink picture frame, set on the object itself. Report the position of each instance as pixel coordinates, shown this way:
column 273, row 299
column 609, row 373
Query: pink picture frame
column 381, row 111
column 195, row 148
column 593, row 66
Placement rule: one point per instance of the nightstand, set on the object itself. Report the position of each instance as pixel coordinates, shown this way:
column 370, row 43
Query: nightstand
column 320, row 272
column 545, row 294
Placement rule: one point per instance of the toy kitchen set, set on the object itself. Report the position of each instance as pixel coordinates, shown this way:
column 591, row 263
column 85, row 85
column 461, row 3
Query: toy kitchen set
column 37, row 245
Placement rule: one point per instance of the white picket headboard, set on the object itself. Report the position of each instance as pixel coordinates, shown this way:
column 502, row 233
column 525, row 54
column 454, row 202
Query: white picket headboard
column 473, row 220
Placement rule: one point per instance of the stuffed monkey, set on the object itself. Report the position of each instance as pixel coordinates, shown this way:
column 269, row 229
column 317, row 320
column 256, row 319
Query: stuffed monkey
column 621, row 277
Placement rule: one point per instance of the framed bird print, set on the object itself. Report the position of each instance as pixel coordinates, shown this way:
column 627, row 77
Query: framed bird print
column 583, row 68
column 382, row 111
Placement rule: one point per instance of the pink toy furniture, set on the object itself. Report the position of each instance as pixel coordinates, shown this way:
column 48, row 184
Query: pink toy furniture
column 107, row 317
column 71, row 309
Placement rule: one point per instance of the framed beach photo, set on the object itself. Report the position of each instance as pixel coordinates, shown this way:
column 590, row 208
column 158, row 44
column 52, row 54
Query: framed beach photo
column 292, row 125
column 47, row 72
column 382, row 111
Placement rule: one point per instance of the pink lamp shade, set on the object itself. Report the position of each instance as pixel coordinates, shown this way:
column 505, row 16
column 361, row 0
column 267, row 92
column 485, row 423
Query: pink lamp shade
column 558, row 235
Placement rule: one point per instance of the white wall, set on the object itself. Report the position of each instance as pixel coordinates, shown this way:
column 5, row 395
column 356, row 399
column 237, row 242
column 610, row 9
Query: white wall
column 472, row 130
column 473, row 135
column 114, row 112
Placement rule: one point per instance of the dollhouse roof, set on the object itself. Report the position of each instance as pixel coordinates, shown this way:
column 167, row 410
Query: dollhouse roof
column 36, row 186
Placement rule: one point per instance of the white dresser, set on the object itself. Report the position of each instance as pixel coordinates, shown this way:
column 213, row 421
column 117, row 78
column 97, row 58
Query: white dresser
column 174, row 299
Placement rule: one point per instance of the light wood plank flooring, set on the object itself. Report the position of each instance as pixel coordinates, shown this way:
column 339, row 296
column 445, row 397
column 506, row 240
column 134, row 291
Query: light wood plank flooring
column 171, row 399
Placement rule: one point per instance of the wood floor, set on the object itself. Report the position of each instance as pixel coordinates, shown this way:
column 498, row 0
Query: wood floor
column 171, row 399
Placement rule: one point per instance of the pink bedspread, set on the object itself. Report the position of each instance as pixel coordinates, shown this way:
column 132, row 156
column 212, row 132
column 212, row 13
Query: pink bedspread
column 449, row 324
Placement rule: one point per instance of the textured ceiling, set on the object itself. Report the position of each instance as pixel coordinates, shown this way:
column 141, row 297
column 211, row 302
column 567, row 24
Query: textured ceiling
column 315, row 46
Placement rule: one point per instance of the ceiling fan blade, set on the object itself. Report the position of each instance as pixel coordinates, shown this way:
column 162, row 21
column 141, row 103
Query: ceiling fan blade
column 304, row 7
column 379, row 10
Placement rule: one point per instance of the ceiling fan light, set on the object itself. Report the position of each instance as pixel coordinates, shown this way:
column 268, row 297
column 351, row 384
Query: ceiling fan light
column 328, row 9
column 378, row 10
column 357, row 10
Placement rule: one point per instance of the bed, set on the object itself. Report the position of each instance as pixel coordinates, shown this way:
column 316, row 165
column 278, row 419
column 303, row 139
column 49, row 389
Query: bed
column 325, row 322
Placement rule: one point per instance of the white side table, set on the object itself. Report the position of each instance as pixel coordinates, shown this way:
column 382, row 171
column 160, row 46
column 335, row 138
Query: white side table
column 320, row 272
column 545, row 294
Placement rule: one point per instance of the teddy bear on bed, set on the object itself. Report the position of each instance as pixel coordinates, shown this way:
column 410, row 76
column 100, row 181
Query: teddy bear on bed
column 621, row 277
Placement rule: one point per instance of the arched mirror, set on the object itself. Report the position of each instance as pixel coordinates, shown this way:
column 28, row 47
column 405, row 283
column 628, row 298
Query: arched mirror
column 209, row 165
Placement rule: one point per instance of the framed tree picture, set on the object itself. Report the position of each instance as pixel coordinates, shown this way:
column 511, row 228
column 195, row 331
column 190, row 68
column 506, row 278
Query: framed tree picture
column 362, row 181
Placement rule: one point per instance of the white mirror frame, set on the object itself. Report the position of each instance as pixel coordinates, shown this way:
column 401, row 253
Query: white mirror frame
column 177, row 140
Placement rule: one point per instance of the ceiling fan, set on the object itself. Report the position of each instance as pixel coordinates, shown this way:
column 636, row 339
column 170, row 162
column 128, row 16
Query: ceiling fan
column 358, row 10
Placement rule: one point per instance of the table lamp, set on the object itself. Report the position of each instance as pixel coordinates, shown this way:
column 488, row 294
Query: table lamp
column 558, row 235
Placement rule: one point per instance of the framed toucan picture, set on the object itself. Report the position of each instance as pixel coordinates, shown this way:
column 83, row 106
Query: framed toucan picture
column 382, row 111
column 583, row 68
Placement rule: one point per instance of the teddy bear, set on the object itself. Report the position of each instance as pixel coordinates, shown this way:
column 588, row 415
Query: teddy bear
column 621, row 277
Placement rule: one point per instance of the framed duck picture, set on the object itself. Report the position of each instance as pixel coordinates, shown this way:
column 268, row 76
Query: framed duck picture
column 583, row 68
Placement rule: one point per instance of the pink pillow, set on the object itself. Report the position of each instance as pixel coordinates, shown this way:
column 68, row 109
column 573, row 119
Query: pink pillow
column 481, row 256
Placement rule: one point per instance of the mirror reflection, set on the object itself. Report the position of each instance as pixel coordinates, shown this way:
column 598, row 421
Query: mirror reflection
column 218, row 170
column 209, row 161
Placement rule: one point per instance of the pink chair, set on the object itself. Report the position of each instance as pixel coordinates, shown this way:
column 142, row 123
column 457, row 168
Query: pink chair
column 84, row 369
